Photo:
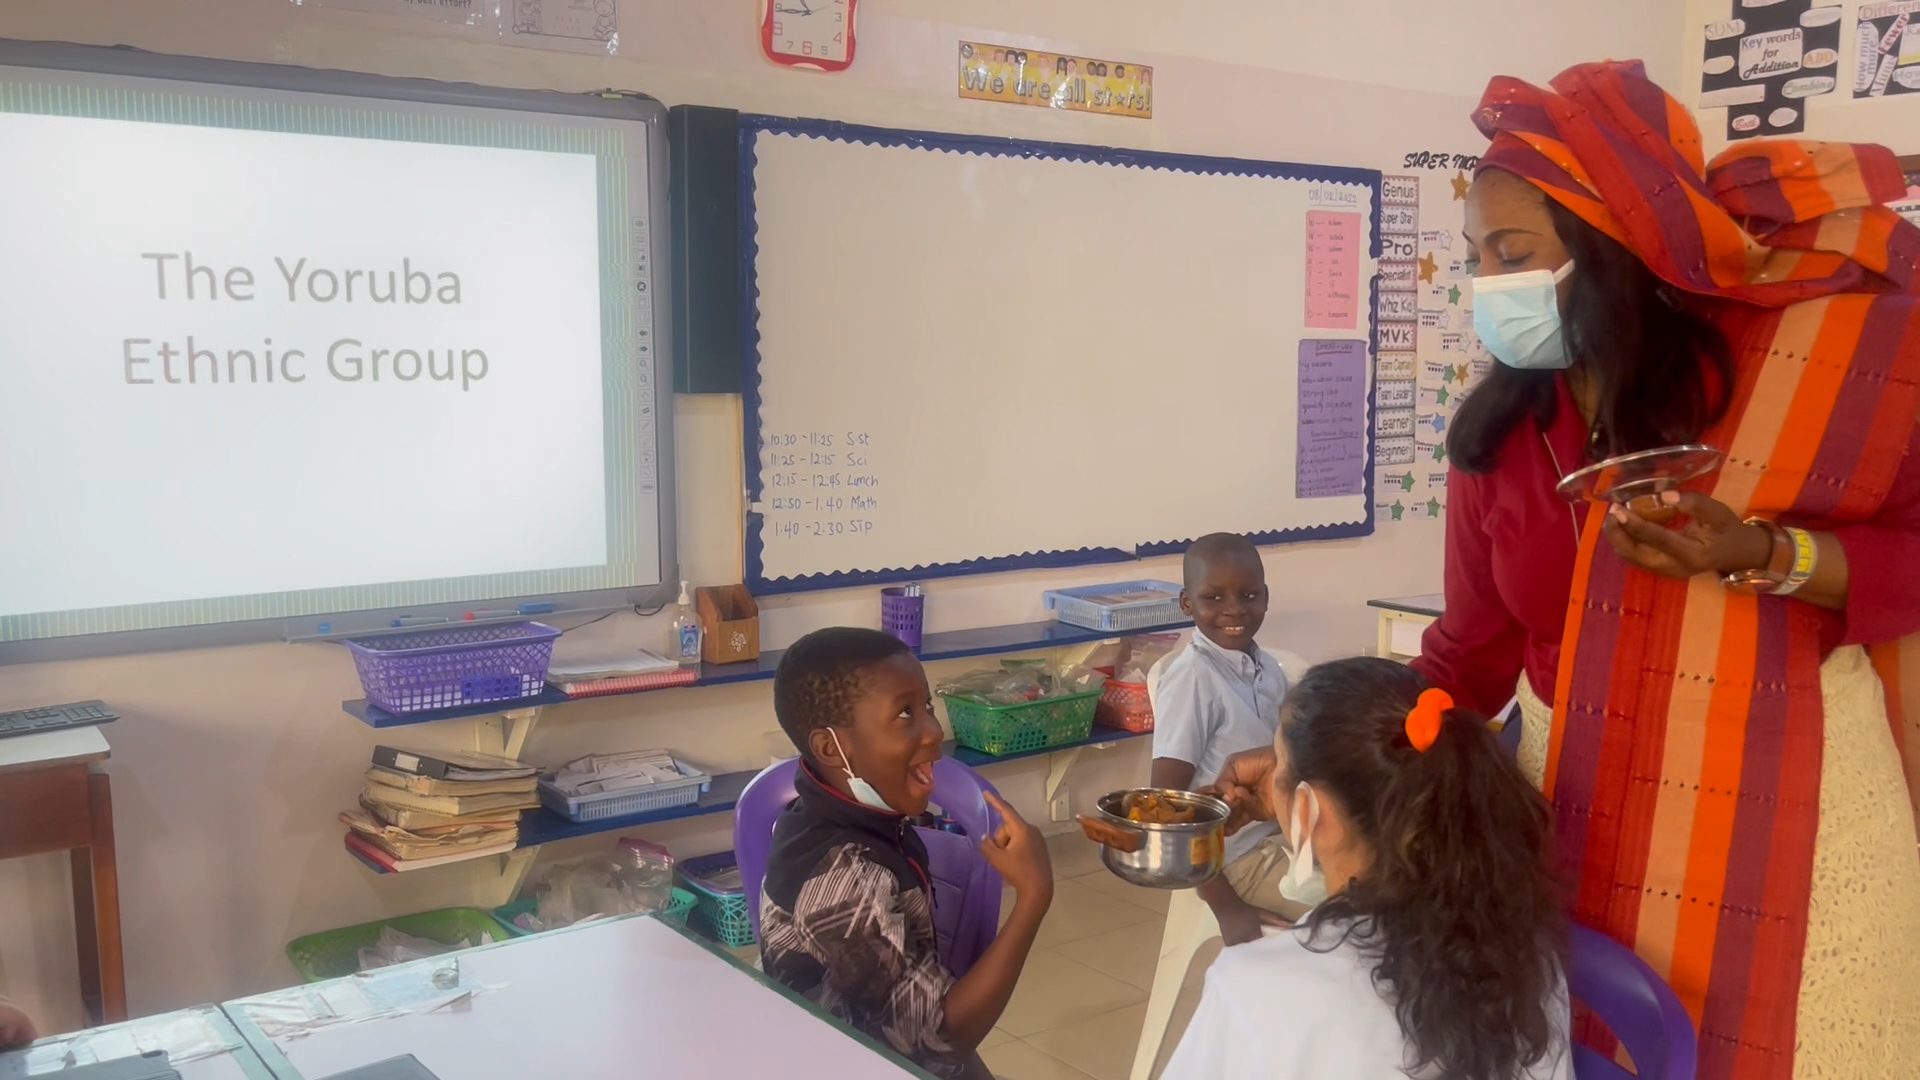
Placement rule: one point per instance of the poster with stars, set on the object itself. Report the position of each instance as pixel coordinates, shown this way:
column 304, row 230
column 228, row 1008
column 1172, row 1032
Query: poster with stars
column 1428, row 354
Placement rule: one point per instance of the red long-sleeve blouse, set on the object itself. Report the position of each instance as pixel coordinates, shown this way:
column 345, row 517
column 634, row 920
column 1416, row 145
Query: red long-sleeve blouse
column 1511, row 542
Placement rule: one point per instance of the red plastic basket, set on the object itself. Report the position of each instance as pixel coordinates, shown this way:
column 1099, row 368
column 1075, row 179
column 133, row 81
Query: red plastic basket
column 1126, row 706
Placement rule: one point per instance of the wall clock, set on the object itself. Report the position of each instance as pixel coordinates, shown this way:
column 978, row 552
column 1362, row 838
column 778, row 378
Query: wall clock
column 814, row 34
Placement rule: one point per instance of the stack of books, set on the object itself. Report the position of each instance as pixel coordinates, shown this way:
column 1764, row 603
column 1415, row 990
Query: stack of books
column 620, row 673
column 419, row 810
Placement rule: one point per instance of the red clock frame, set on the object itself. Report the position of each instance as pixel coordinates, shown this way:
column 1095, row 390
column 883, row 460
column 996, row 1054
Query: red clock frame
column 774, row 12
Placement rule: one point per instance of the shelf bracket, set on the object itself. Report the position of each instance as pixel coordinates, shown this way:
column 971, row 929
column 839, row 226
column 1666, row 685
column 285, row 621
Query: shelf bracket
column 1059, row 765
column 504, row 734
column 497, row 880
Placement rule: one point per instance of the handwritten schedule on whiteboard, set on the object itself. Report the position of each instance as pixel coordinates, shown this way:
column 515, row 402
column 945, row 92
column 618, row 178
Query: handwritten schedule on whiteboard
column 820, row 484
column 913, row 416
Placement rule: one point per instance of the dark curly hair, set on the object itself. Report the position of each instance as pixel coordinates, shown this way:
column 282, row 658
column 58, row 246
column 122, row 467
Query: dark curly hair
column 1662, row 373
column 1459, row 911
column 820, row 676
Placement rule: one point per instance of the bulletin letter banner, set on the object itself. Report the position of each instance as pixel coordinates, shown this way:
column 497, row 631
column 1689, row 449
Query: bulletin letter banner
column 1074, row 83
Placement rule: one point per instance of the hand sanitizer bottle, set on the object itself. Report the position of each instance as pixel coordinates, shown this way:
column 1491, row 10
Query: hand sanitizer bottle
column 685, row 643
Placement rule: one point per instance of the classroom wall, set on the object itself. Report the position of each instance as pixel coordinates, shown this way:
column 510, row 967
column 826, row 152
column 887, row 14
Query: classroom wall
column 230, row 764
column 1892, row 120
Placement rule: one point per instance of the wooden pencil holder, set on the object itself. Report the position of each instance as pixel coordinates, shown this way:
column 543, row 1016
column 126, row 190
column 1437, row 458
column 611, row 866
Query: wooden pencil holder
column 730, row 621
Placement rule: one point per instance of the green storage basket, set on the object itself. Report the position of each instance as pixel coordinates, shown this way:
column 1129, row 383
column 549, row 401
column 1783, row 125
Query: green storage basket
column 718, row 913
column 1025, row 727
column 675, row 912
column 331, row 954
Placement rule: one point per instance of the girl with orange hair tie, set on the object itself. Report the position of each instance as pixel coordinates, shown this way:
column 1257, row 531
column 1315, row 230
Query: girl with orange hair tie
column 1433, row 952
column 1717, row 706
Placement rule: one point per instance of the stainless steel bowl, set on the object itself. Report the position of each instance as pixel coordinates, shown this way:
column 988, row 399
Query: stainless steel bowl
column 1167, row 856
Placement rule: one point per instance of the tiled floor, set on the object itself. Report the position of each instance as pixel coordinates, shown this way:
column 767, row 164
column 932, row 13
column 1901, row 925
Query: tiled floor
column 1077, row 1011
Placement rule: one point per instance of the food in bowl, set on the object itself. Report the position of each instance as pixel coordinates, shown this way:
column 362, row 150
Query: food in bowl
column 1155, row 808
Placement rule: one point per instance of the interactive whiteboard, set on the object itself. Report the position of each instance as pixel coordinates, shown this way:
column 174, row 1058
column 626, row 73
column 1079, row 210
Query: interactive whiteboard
column 978, row 354
column 307, row 351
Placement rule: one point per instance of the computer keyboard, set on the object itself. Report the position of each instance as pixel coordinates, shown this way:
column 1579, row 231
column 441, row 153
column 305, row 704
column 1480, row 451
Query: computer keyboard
column 47, row 718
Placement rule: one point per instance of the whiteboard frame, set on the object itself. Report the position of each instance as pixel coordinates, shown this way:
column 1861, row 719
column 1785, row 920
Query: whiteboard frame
column 753, row 126
column 645, row 111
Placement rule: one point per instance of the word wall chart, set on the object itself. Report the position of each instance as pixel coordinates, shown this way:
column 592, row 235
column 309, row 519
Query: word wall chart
column 1428, row 354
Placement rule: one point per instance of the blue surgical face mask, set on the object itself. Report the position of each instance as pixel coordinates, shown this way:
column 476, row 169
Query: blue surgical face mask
column 1518, row 319
column 863, row 792
column 1304, row 883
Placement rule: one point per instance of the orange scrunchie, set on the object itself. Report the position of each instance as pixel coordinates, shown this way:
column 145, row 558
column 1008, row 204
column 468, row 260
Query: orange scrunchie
column 1423, row 723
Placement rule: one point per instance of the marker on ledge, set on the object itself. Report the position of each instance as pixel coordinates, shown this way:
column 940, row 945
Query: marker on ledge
column 492, row 613
column 536, row 609
column 419, row 620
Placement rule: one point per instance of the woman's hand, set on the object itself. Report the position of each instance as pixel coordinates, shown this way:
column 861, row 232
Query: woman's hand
column 1243, row 784
column 1710, row 540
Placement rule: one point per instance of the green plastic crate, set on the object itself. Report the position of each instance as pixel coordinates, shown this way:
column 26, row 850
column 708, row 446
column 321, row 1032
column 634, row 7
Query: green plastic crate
column 719, row 914
column 675, row 911
column 1027, row 726
column 331, row 954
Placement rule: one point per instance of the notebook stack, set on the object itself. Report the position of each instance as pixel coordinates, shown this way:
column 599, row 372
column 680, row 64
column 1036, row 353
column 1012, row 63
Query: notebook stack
column 619, row 673
column 419, row 810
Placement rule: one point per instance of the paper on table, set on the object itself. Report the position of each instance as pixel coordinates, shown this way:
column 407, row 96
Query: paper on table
column 412, row 988
column 185, row 1037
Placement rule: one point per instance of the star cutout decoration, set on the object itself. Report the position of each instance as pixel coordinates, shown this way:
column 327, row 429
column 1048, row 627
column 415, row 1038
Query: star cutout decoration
column 1433, row 507
column 1453, row 295
column 1462, row 373
column 1446, row 373
column 1439, row 451
column 1405, row 482
column 1429, row 266
column 1439, row 422
column 1396, row 509
column 1460, row 186
column 1441, row 395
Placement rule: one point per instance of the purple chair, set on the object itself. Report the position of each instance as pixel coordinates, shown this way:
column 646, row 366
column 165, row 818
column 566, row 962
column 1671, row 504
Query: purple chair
column 966, row 890
column 1641, row 1010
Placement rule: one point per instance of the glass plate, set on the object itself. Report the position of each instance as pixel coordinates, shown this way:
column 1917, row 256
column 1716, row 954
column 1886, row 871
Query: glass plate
column 1633, row 476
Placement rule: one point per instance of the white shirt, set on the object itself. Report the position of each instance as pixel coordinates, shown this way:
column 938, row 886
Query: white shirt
column 1210, row 703
column 1274, row 1009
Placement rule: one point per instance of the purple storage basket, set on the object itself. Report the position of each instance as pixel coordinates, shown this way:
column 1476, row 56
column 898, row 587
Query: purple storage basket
column 901, row 614
column 445, row 668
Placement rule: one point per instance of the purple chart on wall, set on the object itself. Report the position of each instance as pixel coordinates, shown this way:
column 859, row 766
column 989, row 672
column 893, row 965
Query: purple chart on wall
column 1766, row 60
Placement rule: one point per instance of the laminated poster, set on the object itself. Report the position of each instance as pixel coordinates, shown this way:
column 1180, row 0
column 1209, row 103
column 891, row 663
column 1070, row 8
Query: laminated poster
column 1765, row 60
column 456, row 12
column 1427, row 353
column 1886, row 49
column 584, row 26
column 1055, row 81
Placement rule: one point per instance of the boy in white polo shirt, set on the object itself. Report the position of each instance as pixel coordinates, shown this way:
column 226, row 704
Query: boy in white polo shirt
column 1216, row 697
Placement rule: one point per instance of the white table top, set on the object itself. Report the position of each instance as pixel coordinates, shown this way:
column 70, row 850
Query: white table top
column 610, row 1001
column 200, row 1042
column 52, row 748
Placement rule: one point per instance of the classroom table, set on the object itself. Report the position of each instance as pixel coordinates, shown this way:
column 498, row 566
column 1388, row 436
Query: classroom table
column 610, row 1000
column 201, row 1044
column 1402, row 620
column 53, row 797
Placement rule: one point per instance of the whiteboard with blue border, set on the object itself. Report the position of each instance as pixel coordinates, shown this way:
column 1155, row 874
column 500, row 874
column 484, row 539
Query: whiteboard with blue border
column 969, row 354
